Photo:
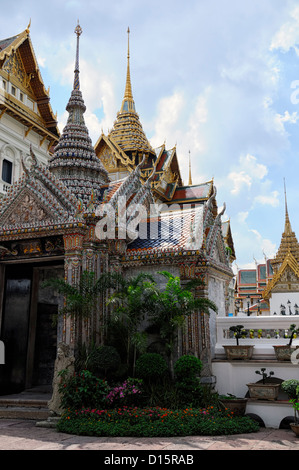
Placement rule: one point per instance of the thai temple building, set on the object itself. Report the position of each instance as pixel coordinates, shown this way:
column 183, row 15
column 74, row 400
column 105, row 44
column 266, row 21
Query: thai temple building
column 53, row 219
column 249, row 287
column 26, row 116
column 282, row 290
column 271, row 288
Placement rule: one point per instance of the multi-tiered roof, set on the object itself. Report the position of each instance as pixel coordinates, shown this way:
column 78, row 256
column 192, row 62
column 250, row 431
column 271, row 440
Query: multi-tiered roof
column 74, row 161
column 286, row 259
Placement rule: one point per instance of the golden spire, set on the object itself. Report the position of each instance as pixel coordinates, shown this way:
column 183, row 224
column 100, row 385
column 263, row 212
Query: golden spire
column 128, row 104
column 288, row 244
column 190, row 177
column 287, row 226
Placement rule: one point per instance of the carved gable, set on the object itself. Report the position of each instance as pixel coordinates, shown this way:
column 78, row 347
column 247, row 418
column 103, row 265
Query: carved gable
column 26, row 209
column 13, row 66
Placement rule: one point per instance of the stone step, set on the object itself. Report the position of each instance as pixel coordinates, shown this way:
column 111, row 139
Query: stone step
column 26, row 405
column 25, row 412
column 23, row 402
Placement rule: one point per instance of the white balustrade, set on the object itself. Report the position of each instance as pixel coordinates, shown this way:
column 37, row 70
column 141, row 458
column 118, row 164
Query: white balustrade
column 266, row 332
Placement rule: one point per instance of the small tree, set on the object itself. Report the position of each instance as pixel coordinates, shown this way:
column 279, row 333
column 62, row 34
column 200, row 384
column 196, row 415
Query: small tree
column 294, row 331
column 131, row 302
column 264, row 374
column 171, row 306
column 239, row 332
column 81, row 299
column 291, row 387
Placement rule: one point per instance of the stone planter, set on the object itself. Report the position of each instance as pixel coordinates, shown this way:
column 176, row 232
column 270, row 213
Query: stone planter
column 295, row 428
column 262, row 391
column 236, row 405
column 243, row 352
column 284, row 352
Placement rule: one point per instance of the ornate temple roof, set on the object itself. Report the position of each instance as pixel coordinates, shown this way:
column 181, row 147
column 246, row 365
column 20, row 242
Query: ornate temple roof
column 36, row 203
column 18, row 64
column 287, row 256
column 127, row 130
column 288, row 244
column 74, row 161
column 170, row 231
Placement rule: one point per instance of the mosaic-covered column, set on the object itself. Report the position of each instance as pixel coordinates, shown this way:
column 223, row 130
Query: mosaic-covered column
column 196, row 337
column 73, row 245
column 95, row 260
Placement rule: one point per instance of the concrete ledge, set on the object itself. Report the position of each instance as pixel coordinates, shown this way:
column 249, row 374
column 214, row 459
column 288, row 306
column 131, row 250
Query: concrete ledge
column 271, row 412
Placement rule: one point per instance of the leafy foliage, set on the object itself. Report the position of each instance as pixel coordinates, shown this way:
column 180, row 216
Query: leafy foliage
column 82, row 389
column 130, row 303
column 291, row 387
column 239, row 332
column 81, row 299
column 155, row 422
column 171, row 306
column 187, row 367
column 151, row 367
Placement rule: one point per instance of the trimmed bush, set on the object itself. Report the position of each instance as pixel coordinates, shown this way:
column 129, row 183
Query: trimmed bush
column 151, row 367
column 189, row 391
column 104, row 359
column 187, row 367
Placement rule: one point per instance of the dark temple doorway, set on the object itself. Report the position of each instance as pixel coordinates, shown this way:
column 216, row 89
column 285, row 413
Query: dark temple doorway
column 28, row 326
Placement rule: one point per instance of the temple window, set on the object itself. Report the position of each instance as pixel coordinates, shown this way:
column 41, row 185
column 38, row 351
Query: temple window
column 7, row 171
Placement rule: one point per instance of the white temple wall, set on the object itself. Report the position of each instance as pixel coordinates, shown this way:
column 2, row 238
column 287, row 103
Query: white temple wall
column 290, row 300
column 14, row 144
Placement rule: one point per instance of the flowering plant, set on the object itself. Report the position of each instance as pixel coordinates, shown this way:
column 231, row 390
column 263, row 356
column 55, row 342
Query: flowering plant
column 125, row 393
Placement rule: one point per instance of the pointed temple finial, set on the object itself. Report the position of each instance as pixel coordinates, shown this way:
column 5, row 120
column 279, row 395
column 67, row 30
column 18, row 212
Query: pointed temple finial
column 28, row 27
column 128, row 104
column 190, row 177
column 288, row 228
column 78, row 31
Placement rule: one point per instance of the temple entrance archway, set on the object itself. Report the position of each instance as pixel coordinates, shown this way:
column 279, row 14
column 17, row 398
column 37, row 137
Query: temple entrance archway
column 28, row 325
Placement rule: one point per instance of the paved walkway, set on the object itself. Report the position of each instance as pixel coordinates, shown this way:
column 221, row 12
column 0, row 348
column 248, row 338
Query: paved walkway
column 25, row 435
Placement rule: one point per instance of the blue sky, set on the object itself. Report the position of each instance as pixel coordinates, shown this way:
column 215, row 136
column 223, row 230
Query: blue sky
column 218, row 79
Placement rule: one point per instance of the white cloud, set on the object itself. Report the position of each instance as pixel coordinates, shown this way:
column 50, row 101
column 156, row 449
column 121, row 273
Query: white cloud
column 41, row 61
column 270, row 199
column 280, row 119
column 166, row 122
column 249, row 170
column 242, row 216
column 288, row 34
column 239, row 179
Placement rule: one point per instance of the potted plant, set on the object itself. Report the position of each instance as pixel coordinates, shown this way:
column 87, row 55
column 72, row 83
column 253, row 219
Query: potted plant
column 233, row 403
column 284, row 352
column 264, row 389
column 291, row 388
column 238, row 351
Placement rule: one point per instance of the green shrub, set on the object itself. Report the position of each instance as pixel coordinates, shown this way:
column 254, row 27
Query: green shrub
column 82, row 390
column 151, row 367
column 103, row 359
column 189, row 391
column 290, row 388
column 187, row 367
